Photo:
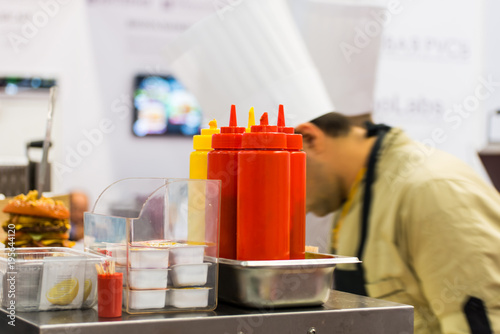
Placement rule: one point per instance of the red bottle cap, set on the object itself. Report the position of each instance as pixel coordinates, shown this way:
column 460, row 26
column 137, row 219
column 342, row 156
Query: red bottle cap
column 229, row 136
column 264, row 136
column 281, row 121
column 293, row 141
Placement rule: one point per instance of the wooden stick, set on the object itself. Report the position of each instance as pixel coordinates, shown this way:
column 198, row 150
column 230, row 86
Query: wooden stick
column 98, row 269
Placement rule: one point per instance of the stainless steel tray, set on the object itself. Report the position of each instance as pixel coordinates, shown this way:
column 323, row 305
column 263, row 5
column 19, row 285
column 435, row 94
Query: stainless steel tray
column 276, row 284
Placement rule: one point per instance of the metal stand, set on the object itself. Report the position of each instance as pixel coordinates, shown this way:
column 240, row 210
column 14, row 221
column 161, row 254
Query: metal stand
column 343, row 313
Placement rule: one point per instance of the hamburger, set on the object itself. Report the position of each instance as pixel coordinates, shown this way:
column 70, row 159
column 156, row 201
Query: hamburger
column 39, row 222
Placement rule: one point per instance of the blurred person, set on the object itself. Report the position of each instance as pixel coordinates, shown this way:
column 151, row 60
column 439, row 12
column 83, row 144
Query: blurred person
column 425, row 225
column 79, row 203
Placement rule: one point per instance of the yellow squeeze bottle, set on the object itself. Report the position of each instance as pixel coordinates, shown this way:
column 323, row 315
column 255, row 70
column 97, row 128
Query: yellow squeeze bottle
column 198, row 161
column 202, row 144
column 251, row 120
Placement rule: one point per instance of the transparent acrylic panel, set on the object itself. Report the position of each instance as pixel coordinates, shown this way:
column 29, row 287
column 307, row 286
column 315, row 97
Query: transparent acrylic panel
column 125, row 198
column 163, row 236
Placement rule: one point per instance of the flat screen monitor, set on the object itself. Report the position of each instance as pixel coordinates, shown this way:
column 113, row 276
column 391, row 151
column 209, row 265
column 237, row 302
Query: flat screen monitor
column 12, row 86
column 162, row 106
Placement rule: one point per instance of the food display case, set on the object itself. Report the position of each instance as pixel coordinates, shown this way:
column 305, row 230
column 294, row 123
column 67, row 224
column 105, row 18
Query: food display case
column 162, row 235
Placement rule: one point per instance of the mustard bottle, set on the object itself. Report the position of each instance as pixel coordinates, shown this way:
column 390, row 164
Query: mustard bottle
column 202, row 144
column 198, row 169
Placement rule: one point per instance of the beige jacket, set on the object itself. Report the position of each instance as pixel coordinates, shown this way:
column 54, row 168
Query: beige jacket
column 433, row 237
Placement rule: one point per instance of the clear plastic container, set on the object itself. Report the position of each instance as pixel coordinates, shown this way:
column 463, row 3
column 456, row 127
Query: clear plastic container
column 144, row 299
column 186, row 254
column 145, row 257
column 189, row 274
column 188, row 298
column 48, row 278
column 150, row 225
column 123, row 270
column 147, row 279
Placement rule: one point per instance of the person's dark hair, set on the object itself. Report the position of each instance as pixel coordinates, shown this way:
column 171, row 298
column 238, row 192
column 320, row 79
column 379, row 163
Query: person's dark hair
column 335, row 124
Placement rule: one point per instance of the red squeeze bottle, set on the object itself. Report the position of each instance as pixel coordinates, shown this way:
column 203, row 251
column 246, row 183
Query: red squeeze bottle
column 263, row 208
column 223, row 165
column 297, row 188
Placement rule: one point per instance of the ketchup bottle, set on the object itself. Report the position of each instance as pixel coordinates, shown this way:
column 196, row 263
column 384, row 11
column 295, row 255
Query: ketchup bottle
column 263, row 205
column 297, row 188
column 223, row 165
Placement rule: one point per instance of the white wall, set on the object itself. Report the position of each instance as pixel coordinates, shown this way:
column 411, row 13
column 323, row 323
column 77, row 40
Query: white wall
column 430, row 67
column 21, row 120
column 94, row 52
column 48, row 39
column 491, row 53
column 127, row 39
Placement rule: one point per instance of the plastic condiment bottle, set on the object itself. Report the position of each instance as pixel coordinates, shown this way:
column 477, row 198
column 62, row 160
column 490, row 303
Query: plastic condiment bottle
column 197, row 193
column 297, row 188
column 223, row 165
column 202, row 144
column 263, row 204
column 251, row 120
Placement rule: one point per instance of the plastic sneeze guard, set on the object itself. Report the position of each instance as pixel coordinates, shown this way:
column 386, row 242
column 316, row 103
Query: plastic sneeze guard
column 147, row 226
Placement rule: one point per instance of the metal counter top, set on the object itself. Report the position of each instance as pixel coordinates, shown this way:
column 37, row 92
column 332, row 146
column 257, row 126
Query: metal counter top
column 343, row 313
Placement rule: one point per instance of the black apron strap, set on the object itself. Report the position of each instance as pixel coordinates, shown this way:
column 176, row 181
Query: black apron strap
column 379, row 130
column 353, row 281
column 477, row 317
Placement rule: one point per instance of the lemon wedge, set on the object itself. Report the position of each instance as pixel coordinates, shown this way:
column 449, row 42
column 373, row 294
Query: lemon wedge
column 64, row 292
column 87, row 288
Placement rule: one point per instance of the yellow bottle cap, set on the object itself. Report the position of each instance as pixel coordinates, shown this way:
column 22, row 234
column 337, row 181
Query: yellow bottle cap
column 204, row 140
column 251, row 120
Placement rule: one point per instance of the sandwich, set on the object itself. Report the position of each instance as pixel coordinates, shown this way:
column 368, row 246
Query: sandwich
column 38, row 222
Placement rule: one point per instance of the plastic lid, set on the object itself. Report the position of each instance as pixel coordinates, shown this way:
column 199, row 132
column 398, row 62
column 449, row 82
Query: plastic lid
column 251, row 120
column 204, row 140
column 293, row 141
column 281, row 121
column 264, row 125
column 229, row 136
column 264, row 136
